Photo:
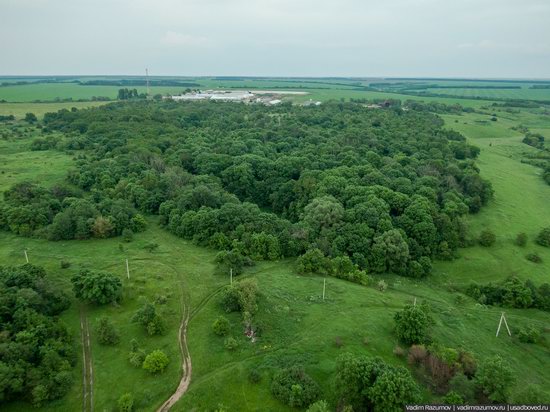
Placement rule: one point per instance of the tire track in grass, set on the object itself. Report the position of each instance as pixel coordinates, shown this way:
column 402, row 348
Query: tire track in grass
column 87, row 366
column 186, row 364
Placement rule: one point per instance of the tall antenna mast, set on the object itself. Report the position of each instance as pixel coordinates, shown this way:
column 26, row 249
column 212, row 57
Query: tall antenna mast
column 147, row 80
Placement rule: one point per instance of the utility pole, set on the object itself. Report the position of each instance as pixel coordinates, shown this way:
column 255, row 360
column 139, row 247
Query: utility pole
column 127, row 269
column 147, row 81
column 231, row 276
column 324, row 287
column 414, row 304
column 26, row 256
column 503, row 319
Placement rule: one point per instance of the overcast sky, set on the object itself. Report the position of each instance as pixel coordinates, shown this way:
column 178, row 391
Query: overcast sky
column 440, row 38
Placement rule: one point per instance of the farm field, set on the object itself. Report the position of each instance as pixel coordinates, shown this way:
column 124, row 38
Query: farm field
column 298, row 326
column 523, row 93
column 39, row 109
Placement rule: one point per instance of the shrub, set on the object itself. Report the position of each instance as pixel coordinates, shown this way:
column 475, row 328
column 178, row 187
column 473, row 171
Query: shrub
column 534, row 257
column 494, row 378
column 148, row 316
column 338, row 342
column 151, row 247
column 254, row 376
column 127, row 235
column 463, row 386
column 319, row 406
column 467, row 363
column 221, row 326
column 313, row 261
column 411, row 324
column 487, row 238
column 399, row 351
column 382, row 285
column 417, row 354
column 529, row 334
column 155, row 362
column 294, row 387
column 230, row 343
column 521, row 239
column 125, row 403
column 453, row 398
column 106, row 332
column 65, row 264
column 543, row 238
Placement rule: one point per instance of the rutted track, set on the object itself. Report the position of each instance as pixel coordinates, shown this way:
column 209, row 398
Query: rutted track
column 186, row 364
column 87, row 367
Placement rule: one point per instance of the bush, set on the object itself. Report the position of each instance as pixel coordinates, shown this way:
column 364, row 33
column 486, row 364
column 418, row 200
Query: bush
column 65, row 264
column 125, row 403
column 313, row 261
column 254, row 376
column 148, row 317
column 411, row 324
column 127, row 235
column 529, row 334
column 487, row 238
column 221, row 326
column 521, row 239
column 417, row 355
column 453, row 398
column 494, row 379
column 230, row 343
column 319, row 406
column 399, row 351
column 155, row 362
column 338, row 342
column 534, row 257
column 106, row 332
column 382, row 285
column 463, row 386
column 294, row 387
column 543, row 238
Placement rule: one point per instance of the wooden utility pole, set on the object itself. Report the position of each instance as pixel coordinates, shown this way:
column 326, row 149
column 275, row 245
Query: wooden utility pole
column 414, row 304
column 26, row 256
column 324, row 287
column 503, row 319
column 231, row 276
column 127, row 269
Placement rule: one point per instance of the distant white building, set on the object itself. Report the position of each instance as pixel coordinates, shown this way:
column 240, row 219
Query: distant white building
column 216, row 95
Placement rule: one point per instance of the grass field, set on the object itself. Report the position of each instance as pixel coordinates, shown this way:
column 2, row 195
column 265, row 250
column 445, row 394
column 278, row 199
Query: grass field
column 298, row 326
column 523, row 93
column 39, row 109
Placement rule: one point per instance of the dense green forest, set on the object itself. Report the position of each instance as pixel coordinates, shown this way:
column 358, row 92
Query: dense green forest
column 373, row 190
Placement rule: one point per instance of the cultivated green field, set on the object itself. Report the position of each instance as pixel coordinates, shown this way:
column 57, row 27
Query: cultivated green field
column 298, row 326
column 39, row 109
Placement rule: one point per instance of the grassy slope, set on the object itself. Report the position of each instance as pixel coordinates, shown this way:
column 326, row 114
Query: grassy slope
column 520, row 203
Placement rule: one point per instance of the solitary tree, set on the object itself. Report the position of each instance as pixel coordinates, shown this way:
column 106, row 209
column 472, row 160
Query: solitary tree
column 411, row 324
column 156, row 361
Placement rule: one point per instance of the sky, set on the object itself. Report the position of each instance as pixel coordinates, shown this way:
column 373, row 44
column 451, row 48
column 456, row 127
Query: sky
column 359, row 38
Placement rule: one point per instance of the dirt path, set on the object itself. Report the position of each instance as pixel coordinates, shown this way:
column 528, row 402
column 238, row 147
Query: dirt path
column 87, row 368
column 186, row 364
